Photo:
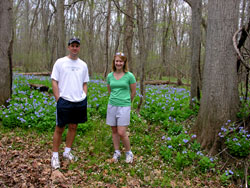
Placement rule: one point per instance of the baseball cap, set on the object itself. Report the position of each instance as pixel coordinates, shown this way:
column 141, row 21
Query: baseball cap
column 74, row 39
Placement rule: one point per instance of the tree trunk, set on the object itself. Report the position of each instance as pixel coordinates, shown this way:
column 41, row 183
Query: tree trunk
column 91, row 36
column 106, row 54
column 60, row 29
column 196, row 6
column 26, row 37
column 220, row 100
column 119, row 32
column 128, row 32
column 6, row 34
column 242, row 17
column 151, row 27
column 142, row 51
column 165, row 34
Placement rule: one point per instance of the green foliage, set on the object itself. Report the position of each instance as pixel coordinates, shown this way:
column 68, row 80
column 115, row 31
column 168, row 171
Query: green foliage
column 182, row 150
column 225, row 177
column 175, row 129
column 165, row 105
column 84, row 127
column 30, row 108
column 236, row 139
column 182, row 160
column 244, row 110
column 238, row 144
column 205, row 164
column 166, row 153
column 195, row 146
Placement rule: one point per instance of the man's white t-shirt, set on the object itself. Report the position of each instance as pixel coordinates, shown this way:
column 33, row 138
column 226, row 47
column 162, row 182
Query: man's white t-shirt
column 70, row 74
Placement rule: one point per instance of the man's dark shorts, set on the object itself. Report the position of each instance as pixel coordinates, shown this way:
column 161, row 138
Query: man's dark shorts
column 71, row 112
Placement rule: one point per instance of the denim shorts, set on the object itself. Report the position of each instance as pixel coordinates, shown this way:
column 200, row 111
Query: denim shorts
column 118, row 115
column 70, row 112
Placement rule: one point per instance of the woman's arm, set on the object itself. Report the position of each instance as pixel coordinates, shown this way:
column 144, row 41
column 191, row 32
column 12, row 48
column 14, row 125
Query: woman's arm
column 109, row 89
column 133, row 91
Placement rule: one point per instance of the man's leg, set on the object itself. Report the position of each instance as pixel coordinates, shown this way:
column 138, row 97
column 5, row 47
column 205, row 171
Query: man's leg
column 71, row 135
column 57, row 138
column 69, row 141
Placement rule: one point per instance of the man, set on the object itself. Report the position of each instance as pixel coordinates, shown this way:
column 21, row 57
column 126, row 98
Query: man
column 69, row 83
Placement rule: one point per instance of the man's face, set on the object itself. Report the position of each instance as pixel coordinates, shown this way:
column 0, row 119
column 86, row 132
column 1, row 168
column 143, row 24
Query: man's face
column 74, row 49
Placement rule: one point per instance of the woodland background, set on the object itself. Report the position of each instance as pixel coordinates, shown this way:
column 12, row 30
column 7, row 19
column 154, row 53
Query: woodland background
column 203, row 43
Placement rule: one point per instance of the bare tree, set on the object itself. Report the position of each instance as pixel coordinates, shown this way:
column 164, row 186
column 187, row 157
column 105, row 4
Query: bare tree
column 106, row 54
column 118, row 28
column 196, row 6
column 128, row 32
column 243, row 12
column 6, row 34
column 220, row 100
column 165, row 33
column 142, row 50
column 60, row 28
column 91, row 35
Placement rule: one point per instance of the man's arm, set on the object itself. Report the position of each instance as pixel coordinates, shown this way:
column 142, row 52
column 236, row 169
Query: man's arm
column 85, row 87
column 55, row 89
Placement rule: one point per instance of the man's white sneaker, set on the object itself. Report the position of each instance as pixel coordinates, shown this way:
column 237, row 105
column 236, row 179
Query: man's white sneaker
column 116, row 156
column 129, row 157
column 69, row 156
column 55, row 163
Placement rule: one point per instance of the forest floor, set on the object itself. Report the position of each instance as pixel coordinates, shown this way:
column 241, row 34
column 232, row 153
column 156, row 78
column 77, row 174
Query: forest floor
column 25, row 162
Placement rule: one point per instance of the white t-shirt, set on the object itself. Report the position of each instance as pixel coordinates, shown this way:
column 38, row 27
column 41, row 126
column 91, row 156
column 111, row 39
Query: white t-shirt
column 70, row 74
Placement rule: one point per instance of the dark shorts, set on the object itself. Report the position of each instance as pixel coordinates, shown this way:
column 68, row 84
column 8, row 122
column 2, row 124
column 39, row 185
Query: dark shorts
column 71, row 112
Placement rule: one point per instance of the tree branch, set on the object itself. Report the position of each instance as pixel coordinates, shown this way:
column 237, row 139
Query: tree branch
column 237, row 49
column 118, row 7
column 73, row 3
column 189, row 2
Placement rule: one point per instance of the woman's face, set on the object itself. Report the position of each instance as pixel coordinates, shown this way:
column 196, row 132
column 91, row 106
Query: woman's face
column 119, row 63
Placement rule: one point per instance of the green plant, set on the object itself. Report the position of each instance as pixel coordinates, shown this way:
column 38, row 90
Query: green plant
column 182, row 160
column 166, row 153
column 225, row 177
column 175, row 129
column 205, row 164
column 238, row 144
column 195, row 146
column 236, row 139
column 83, row 127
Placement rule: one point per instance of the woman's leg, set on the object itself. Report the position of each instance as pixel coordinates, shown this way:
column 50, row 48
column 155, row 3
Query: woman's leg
column 124, row 137
column 115, row 137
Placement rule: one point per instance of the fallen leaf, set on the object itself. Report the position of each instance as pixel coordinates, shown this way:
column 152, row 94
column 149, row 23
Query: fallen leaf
column 57, row 176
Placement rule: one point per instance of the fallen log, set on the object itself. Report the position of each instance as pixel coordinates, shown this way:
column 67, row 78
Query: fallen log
column 164, row 82
column 36, row 73
column 39, row 87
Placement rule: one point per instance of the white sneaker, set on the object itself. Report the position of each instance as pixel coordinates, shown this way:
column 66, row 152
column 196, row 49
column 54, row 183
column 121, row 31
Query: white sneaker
column 116, row 156
column 129, row 157
column 69, row 156
column 55, row 163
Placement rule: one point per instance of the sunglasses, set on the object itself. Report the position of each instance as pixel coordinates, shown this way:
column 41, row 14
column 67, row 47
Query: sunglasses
column 120, row 53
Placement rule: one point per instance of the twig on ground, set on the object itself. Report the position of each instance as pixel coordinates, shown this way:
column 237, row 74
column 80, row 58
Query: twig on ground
column 246, row 168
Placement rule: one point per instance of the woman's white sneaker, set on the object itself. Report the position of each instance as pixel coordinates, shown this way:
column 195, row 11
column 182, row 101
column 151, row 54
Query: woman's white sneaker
column 116, row 156
column 129, row 157
column 55, row 163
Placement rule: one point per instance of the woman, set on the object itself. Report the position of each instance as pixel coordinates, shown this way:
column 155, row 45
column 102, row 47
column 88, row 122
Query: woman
column 122, row 89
